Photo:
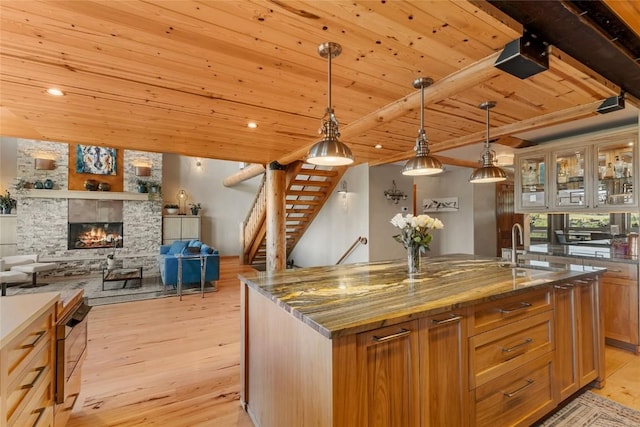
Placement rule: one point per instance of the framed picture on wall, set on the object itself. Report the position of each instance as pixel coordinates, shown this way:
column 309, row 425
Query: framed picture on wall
column 442, row 204
column 96, row 160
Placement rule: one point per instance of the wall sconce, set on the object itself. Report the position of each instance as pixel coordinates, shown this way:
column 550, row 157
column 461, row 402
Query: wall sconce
column 395, row 194
column 143, row 171
column 44, row 164
column 343, row 189
column 182, row 201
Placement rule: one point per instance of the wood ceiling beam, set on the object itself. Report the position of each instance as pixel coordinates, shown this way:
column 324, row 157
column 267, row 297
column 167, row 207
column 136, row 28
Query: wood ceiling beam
column 557, row 117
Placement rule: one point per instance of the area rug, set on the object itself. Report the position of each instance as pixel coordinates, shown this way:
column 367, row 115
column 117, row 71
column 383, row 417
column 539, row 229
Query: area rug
column 113, row 292
column 592, row 410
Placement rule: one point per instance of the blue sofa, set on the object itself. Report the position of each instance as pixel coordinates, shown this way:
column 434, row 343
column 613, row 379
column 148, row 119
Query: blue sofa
column 168, row 263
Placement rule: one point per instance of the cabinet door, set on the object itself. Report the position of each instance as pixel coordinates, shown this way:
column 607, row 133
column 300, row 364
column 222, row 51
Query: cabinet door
column 531, row 178
column 571, row 186
column 190, row 227
column 443, row 356
column 566, row 366
column 388, row 377
column 588, row 328
column 171, row 228
column 615, row 174
column 577, row 315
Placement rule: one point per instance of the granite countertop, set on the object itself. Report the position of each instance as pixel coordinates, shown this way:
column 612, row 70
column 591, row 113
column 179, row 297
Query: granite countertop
column 346, row 299
column 582, row 251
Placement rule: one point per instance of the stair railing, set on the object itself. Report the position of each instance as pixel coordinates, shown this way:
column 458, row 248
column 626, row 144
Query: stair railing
column 360, row 240
column 255, row 218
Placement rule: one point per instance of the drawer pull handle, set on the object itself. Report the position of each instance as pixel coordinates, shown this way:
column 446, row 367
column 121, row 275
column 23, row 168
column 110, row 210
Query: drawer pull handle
column 514, row 392
column 614, row 271
column 40, row 370
column 40, row 412
column 512, row 309
column 564, row 287
column 452, row 318
column 403, row 333
column 515, row 347
column 39, row 336
column 584, row 281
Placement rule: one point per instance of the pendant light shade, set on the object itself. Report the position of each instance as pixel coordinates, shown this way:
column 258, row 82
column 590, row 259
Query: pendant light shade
column 489, row 172
column 422, row 163
column 330, row 151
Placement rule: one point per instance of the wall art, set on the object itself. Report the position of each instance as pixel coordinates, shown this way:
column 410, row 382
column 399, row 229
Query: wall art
column 96, row 160
column 441, row 204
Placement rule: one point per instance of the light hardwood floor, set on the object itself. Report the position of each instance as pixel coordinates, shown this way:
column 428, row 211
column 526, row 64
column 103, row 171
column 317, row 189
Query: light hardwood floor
column 165, row 362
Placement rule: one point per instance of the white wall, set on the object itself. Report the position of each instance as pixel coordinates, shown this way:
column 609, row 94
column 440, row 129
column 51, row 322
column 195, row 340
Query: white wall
column 382, row 245
column 340, row 222
column 458, row 233
column 223, row 209
column 8, row 163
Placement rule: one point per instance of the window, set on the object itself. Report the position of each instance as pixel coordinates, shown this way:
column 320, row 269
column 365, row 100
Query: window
column 538, row 228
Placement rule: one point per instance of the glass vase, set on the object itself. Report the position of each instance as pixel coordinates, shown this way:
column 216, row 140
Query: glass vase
column 413, row 259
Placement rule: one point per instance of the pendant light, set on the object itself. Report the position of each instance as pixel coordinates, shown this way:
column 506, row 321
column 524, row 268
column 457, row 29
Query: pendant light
column 330, row 151
column 489, row 172
column 422, row 163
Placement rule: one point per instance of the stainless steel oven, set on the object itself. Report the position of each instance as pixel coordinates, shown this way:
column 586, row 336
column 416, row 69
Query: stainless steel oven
column 71, row 348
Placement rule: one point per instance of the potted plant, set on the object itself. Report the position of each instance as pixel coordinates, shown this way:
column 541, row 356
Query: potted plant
column 153, row 187
column 141, row 186
column 171, row 208
column 7, row 203
column 195, row 208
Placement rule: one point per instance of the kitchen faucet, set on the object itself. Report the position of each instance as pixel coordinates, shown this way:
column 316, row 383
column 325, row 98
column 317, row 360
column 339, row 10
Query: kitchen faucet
column 514, row 253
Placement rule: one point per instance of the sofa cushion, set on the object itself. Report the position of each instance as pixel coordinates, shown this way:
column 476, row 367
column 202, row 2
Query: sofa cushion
column 178, row 247
column 206, row 249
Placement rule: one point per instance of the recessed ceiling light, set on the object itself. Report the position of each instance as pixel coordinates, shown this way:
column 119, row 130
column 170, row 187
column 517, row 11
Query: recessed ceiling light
column 378, row 146
column 252, row 125
column 55, row 91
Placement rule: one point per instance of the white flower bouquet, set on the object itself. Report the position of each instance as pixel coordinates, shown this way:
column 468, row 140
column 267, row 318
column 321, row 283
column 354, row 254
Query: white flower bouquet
column 415, row 230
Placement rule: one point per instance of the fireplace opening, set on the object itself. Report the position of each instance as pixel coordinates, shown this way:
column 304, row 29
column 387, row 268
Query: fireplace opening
column 94, row 235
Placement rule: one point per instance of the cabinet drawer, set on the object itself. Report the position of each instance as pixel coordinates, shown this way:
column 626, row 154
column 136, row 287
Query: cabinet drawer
column 501, row 312
column 39, row 412
column 24, row 347
column 503, row 349
column 21, row 390
column 518, row 398
column 616, row 269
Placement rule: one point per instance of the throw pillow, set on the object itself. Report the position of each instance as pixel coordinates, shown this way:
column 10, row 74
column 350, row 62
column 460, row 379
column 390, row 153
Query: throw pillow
column 206, row 249
column 177, row 247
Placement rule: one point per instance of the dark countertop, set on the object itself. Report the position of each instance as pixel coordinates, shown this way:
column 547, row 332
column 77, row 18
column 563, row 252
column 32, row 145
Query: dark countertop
column 581, row 251
column 346, row 299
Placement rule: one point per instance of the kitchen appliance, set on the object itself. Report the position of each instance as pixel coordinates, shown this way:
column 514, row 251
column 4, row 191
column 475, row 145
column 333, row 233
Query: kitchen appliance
column 71, row 349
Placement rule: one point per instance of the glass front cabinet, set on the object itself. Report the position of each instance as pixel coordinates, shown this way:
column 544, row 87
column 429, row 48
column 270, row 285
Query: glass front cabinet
column 595, row 173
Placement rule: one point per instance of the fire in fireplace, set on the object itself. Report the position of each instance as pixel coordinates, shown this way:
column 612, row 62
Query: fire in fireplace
column 93, row 235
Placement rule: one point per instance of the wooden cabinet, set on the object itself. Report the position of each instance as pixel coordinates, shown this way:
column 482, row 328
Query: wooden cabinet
column 388, row 376
column 443, row 367
column 26, row 377
column 596, row 172
column 578, row 344
column 511, row 343
column 180, row 227
column 621, row 301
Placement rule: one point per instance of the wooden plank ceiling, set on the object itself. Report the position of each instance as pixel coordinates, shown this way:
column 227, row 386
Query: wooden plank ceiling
column 187, row 76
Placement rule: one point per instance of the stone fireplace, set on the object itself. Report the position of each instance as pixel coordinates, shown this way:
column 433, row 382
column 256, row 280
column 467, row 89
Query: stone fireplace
column 47, row 219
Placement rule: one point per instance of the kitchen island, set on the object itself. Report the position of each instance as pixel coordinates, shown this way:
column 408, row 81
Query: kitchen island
column 467, row 341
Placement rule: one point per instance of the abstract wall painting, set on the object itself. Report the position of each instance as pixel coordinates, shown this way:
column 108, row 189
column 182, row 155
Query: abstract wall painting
column 96, row 160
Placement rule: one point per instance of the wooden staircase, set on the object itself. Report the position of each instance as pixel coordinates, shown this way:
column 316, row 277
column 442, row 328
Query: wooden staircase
column 307, row 189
